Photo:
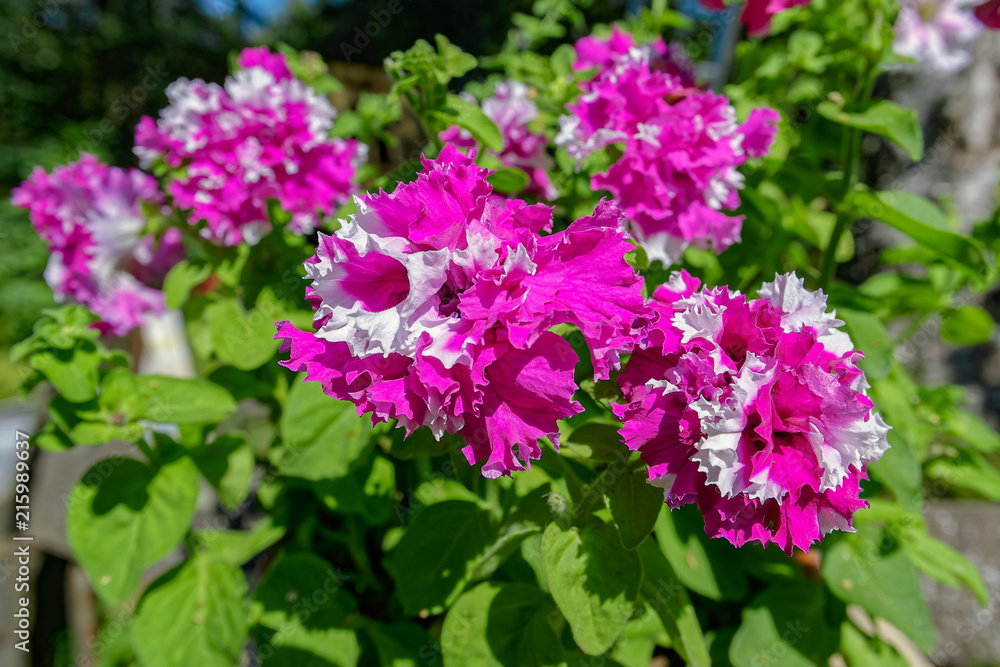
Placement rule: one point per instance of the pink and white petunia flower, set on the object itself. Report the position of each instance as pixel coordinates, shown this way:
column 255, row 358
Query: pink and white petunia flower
column 680, row 146
column 90, row 216
column 261, row 135
column 937, row 34
column 433, row 306
column 512, row 110
column 753, row 410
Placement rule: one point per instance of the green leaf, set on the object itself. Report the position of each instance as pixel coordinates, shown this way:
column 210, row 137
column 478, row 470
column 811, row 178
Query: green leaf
column 885, row 583
column 899, row 468
column 973, row 430
column 421, row 442
column 230, row 269
column 971, row 473
column 326, row 459
column 706, row 566
column 64, row 327
column 73, row 372
column 182, row 401
column 938, row 560
column 236, row 547
column 528, row 518
column 455, row 61
column 885, row 118
column 785, row 625
column 921, row 220
column 368, row 490
column 195, row 614
column 302, row 609
column 468, row 116
column 119, row 400
column 870, row 336
column 502, row 625
column 508, row 180
column 967, row 325
column 440, row 489
column 227, row 463
column 637, row 258
column 182, row 278
column 51, row 438
column 121, row 518
column 634, row 504
column 400, row 644
column 667, row 596
column 92, row 433
column 594, row 580
column 600, row 442
column 434, row 559
column 322, row 436
column 244, row 339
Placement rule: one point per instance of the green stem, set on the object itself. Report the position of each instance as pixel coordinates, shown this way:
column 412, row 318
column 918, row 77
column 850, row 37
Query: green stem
column 424, row 470
column 358, row 550
column 191, row 543
column 148, row 452
column 592, row 495
column 419, row 104
column 493, row 498
column 849, row 156
column 845, row 217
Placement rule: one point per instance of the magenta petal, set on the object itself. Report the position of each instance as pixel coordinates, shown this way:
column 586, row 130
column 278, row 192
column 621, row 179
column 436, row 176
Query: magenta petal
column 989, row 14
column 528, row 392
column 759, row 131
column 582, row 279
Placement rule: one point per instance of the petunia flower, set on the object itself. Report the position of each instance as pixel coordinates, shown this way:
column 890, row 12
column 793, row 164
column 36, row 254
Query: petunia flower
column 512, row 109
column 754, row 410
column 680, row 146
column 434, row 304
column 936, row 34
column 261, row 135
column 90, row 216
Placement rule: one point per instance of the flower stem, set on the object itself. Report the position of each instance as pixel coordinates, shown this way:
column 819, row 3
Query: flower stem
column 359, row 552
column 852, row 145
column 850, row 156
column 154, row 459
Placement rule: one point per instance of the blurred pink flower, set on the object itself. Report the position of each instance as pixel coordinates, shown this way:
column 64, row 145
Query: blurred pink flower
column 757, row 14
column 511, row 108
column 90, row 216
column 936, row 34
column 989, row 14
column 261, row 135
column 753, row 410
column 433, row 306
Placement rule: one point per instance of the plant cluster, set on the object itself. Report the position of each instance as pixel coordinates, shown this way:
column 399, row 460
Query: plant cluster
column 583, row 383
